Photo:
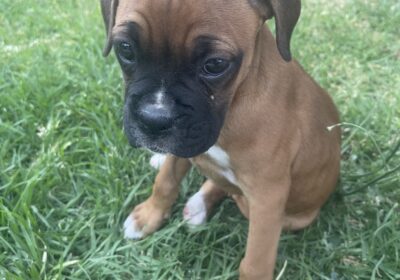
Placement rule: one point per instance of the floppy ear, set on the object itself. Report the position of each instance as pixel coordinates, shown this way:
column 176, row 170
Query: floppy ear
column 108, row 9
column 286, row 13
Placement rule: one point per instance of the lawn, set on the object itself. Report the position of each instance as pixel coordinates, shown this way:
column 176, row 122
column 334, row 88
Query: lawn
column 68, row 177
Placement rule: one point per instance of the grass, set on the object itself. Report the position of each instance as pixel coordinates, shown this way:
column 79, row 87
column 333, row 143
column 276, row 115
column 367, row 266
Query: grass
column 68, row 177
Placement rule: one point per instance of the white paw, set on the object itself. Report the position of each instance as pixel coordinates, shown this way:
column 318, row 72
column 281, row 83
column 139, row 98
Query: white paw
column 195, row 211
column 157, row 160
column 131, row 230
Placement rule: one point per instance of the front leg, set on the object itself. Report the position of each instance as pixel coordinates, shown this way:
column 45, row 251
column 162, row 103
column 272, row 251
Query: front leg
column 266, row 212
column 148, row 216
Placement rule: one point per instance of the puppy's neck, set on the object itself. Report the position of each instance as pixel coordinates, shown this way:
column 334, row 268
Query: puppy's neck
column 266, row 60
column 267, row 70
column 267, row 83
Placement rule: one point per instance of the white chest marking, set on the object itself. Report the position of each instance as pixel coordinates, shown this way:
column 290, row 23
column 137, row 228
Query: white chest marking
column 221, row 158
column 230, row 176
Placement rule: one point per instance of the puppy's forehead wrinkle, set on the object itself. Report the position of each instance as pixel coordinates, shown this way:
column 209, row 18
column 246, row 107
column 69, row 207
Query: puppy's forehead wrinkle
column 172, row 25
column 171, row 20
column 128, row 29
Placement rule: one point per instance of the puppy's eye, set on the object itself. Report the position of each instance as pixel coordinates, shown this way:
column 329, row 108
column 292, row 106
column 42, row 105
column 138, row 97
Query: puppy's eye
column 215, row 66
column 126, row 52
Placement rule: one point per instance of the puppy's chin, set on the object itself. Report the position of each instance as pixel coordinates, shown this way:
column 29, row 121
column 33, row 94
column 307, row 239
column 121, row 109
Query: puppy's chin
column 175, row 143
column 187, row 151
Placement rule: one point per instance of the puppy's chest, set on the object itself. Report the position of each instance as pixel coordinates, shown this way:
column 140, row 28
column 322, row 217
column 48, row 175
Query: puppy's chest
column 216, row 164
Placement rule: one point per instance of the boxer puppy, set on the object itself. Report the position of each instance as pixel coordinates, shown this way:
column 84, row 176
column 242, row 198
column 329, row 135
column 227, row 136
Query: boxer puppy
column 208, row 84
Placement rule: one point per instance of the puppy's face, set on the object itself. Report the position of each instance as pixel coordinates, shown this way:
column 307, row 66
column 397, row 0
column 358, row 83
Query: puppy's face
column 182, row 62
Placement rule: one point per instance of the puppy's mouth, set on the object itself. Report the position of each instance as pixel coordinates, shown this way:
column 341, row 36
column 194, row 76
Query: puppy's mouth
column 178, row 121
column 183, row 139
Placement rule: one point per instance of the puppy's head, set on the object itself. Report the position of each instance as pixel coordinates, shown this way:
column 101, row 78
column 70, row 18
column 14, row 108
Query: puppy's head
column 182, row 61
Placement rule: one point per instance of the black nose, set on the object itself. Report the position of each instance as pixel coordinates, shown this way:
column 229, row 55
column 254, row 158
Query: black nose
column 156, row 117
